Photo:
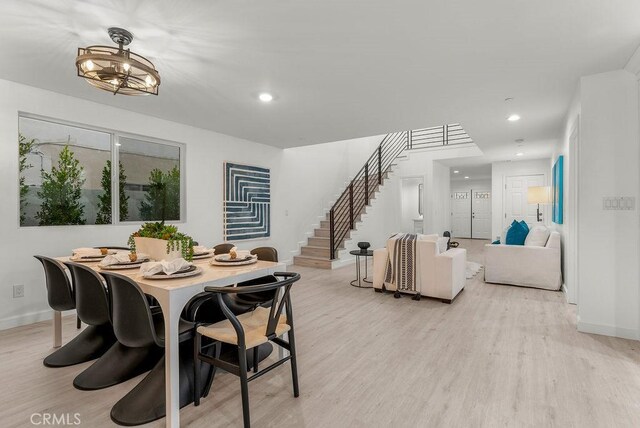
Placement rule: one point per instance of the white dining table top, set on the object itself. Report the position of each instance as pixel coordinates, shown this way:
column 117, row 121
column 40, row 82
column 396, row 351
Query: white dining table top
column 209, row 273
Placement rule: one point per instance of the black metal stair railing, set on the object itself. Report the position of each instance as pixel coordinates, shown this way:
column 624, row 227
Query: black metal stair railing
column 351, row 203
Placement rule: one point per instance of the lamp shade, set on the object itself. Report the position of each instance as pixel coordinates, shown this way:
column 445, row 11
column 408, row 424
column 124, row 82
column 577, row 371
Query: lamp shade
column 539, row 195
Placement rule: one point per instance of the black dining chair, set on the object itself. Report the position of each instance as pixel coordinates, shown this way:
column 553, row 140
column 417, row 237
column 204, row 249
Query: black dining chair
column 88, row 344
column 267, row 254
column 222, row 248
column 119, row 363
column 248, row 331
column 136, row 326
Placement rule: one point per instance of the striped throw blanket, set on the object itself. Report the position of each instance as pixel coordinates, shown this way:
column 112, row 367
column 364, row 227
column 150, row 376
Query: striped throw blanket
column 401, row 266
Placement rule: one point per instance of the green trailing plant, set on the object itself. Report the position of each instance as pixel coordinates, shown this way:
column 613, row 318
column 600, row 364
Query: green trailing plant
column 25, row 146
column 104, row 200
column 162, row 199
column 61, row 192
column 169, row 233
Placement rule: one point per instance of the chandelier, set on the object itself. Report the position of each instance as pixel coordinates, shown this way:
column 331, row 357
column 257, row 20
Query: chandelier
column 118, row 70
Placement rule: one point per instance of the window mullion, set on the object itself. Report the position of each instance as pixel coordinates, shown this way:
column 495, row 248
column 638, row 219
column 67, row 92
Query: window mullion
column 115, row 179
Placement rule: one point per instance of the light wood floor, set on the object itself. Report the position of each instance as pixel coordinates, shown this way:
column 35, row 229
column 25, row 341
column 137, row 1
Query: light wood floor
column 498, row 356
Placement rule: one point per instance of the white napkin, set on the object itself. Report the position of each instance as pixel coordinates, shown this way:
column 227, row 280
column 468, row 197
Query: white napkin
column 86, row 252
column 169, row 268
column 120, row 257
column 197, row 249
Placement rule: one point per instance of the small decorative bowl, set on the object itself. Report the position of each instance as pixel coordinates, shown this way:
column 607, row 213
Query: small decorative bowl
column 363, row 246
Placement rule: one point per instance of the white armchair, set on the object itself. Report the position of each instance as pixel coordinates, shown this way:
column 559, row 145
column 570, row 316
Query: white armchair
column 525, row 266
column 439, row 275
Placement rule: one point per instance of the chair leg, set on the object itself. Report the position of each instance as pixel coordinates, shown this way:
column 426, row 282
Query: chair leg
column 244, row 386
column 217, row 347
column 78, row 322
column 196, row 369
column 294, row 363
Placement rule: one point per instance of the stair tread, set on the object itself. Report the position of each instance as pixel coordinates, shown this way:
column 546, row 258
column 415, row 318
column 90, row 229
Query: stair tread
column 313, row 257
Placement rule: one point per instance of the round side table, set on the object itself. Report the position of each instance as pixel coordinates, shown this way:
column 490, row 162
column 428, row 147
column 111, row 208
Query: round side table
column 359, row 279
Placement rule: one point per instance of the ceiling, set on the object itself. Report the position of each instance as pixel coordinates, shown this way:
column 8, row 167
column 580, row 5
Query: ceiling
column 479, row 171
column 339, row 69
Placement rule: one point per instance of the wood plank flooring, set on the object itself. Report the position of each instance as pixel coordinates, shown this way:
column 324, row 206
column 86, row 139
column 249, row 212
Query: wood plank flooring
column 498, row 356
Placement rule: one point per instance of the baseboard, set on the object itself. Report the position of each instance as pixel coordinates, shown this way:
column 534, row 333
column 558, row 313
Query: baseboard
column 24, row 319
column 344, row 262
column 607, row 330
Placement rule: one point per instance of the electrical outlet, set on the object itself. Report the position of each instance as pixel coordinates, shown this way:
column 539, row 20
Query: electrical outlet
column 18, row 291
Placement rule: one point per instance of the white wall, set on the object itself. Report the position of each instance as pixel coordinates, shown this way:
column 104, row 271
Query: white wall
column 568, row 230
column 499, row 172
column 466, row 185
column 608, row 292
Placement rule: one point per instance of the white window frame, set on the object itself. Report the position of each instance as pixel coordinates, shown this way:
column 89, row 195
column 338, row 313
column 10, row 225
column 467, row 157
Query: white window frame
column 115, row 136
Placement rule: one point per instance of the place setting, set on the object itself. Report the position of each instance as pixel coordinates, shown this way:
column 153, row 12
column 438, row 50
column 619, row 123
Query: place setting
column 201, row 252
column 90, row 255
column 123, row 260
column 169, row 269
column 235, row 257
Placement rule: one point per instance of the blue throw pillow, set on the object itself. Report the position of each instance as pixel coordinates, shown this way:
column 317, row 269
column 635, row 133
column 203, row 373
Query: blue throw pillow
column 517, row 233
column 525, row 225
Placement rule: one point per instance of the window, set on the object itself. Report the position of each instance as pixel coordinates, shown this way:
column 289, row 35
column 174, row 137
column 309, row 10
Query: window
column 152, row 183
column 66, row 176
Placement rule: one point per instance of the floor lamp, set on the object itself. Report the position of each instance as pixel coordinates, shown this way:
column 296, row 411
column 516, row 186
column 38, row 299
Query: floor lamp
column 539, row 195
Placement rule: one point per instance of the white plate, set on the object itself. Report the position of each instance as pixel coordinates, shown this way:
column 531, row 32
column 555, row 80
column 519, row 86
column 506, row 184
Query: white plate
column 242, row 262
column 204, row 256
column 194, row 272
column 86, row 259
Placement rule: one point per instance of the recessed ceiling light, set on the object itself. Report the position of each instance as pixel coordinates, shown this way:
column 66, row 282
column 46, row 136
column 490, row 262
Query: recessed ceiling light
column 466, row 176
column 456, row 171
column 265, row 97
column 519, row 154
column 513, row 118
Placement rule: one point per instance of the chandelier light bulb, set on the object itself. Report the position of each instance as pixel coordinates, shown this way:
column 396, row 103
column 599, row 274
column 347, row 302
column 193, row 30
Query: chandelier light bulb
column 88, row 65
column 126, row 66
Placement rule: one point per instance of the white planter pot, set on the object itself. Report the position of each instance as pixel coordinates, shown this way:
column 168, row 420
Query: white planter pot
column 156, row 248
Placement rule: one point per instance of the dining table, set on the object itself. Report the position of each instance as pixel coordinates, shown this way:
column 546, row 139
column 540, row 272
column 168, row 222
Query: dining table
column 172, row 295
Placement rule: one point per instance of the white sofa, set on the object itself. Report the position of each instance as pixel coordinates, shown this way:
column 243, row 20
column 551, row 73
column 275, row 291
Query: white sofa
column 524, row 265
column 439, row 275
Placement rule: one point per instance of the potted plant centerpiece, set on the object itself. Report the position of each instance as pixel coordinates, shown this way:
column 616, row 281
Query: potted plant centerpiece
column 161, row 242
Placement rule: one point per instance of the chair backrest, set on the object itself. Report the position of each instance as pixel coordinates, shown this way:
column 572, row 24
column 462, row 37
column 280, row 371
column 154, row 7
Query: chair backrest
column 280, row 298
column 92, row 302
column 267, row 254
column 130, row 313
column 222, row 248
column 59, row 289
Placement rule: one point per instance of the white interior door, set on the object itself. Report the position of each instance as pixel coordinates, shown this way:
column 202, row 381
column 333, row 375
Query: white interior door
column 461, row 214
column 481, row 214
column 515, row 199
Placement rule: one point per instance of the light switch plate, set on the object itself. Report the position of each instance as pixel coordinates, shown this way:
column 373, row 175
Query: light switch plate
column 623, row 203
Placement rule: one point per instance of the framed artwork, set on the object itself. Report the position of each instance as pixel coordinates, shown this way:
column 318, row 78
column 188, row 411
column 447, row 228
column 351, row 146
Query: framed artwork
column 557, row 189
column 247, row 202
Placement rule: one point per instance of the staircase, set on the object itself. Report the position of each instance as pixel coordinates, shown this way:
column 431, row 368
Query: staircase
column 324, row 247
column 328, row 240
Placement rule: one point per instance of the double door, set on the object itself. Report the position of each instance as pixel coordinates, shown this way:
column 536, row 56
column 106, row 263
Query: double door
column 471, row 214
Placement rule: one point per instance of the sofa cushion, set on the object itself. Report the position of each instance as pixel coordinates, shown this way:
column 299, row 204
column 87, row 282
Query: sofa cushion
column 516, row 234
column 537, row 237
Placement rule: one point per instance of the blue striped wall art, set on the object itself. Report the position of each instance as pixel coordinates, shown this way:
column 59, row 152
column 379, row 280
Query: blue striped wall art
column 247, row 202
